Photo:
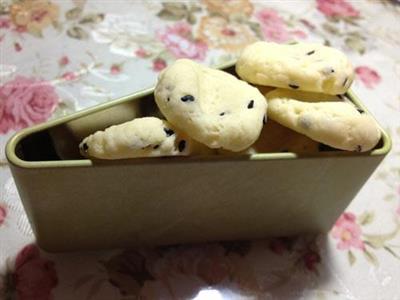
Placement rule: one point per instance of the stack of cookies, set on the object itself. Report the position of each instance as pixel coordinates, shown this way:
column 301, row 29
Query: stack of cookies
column 311, row 80
column 300, row 87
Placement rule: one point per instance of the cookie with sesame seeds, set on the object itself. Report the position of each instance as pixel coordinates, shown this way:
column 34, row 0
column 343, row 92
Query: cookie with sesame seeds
column 141, row 137
column 301, row 66
column 211, row 106
column 328, row 119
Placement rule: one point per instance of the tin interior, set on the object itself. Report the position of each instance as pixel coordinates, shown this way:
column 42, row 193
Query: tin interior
column 61, row 142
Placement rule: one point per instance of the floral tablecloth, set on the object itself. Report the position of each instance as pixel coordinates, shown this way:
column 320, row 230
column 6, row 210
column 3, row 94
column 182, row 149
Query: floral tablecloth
column 57, row 57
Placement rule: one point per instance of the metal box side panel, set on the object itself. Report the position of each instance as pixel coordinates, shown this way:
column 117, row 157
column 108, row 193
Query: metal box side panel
column 117, row 205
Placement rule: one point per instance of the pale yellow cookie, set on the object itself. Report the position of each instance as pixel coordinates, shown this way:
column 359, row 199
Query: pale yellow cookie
column 213, row 107
column 141, row 137
column 335, row 123
column 302, row 66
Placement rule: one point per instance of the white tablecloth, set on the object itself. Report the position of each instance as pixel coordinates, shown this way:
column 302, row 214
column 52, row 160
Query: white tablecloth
column 85, row 52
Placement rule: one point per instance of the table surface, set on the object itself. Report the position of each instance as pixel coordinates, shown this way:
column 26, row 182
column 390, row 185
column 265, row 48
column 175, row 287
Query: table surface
column 58, row 57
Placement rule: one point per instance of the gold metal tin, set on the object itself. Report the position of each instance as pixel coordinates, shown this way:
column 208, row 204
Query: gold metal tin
column 75, row 203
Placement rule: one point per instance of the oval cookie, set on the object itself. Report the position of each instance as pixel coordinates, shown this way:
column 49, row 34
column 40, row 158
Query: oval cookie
column 213, row 107
column 141, row 137
column 335, row 123
column 277, row 138
column 301, row 66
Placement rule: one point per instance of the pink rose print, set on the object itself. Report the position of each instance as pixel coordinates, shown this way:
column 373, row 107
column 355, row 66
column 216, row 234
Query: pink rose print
column 24, row 102
column 274, row 28
column 337, row 8
column 280, row 245
column 34, row 276
column 64, row 60
column 311, row 259
column 115, row 69
column 348, row 232
column 20, row 29
column 299, row 34
column 142, row 53
column 277, row 246
column 179, row 41
column 3, row 214
column 5, row 23
column 368, row 76
column 69, row 76
column 159, row 64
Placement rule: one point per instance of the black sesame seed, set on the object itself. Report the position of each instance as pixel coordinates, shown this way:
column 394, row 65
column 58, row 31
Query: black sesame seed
column 345, row 81
column 156, row 146
column 181, row 145
column 251, row 104
column 85, row 147
column 168, row 131
column 332, row 71
column 221, row 114
column 294, row 86
column 187, row 98
column 168, row 99
column 360, row 110
column 311, row 52
column 358, row 148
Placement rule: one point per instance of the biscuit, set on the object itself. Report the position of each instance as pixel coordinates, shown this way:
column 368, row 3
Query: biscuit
column 338, row 124
column 275, row 138
column 302, row 66
column 141, row 137
column 213, row 107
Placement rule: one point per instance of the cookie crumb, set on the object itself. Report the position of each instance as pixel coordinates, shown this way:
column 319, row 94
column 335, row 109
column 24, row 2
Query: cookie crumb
column 181, row 145
column 187, row 98
column 251, row 104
